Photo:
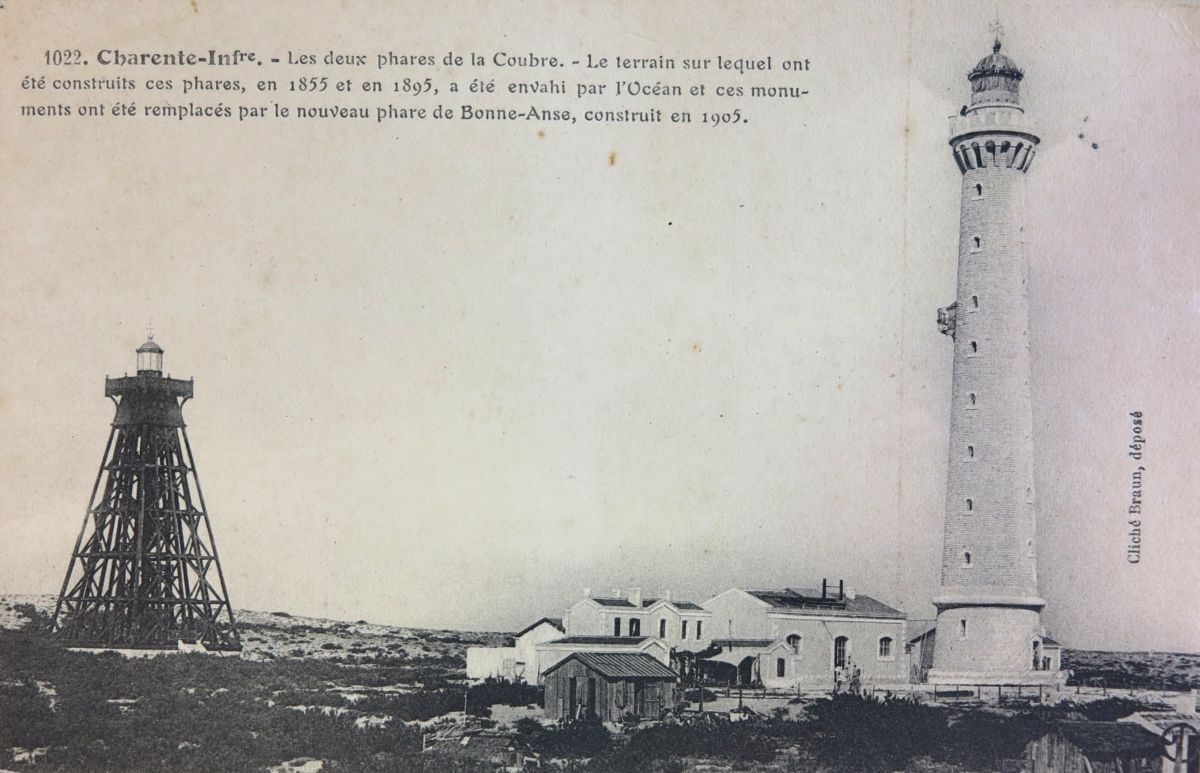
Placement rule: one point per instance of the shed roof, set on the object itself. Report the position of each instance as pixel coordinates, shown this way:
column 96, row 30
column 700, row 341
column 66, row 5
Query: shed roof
column 619, row 665
column 1107, row 740
column 1163, row 719
column 753, row 643
column 623, row 640
column 916, row 629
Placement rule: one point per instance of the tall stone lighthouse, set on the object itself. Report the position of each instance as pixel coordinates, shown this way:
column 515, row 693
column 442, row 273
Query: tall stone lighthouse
column 988, row 626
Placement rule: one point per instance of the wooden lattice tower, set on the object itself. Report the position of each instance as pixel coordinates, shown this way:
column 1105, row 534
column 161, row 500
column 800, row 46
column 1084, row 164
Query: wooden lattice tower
column 144, row 572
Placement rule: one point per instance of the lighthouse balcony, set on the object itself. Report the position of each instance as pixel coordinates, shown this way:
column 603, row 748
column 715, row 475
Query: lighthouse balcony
column 170, row 387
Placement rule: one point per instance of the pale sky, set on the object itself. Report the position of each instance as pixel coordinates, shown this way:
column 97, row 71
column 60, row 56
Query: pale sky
column 450, row 375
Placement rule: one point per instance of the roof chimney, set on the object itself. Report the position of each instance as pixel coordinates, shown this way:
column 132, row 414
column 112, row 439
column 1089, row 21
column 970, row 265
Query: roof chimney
column 616, row 593
column 841, row 589
column 666, row 595
column 635, row 596
column 587, row 593
column 824, row 587
column 851, row 593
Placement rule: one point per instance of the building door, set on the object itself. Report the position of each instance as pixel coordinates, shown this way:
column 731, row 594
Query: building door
column 571, row 698
column 1037, row 655
column 745, row 670
column 639, row 699
column 840, row 646
column 591, row 697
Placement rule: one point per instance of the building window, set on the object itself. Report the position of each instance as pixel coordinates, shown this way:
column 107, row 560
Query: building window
column 966, row 558
column 635, row 626
column 978, row 244
column 962, row 629
column 970, row 505
column 974, row 301
column 616, row 626
column 794, row 642
column 683, row 630
column 978, row 191
column 662, row 628
column 885, row 648
column 780, row 667
column 699, row 628
column 841, row 648
column 971, row 399
column 970, row 452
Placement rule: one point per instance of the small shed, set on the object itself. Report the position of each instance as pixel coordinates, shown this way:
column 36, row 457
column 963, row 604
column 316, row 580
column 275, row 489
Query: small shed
column 1094, row 747
column 608, row 685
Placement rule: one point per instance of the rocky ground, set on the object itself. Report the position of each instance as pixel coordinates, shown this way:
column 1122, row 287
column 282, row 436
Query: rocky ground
column 322, row 695
column 271, row 635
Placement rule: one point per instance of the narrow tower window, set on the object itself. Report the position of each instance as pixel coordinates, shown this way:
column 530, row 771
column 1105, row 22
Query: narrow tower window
column 974, row 301
column 978, row 191
column 966, row 558
column 970, row 505
column 962, row 628
column 971, row 398
column 974, row 347
column 970, row 452
column 978, row 244
column 1016, row 151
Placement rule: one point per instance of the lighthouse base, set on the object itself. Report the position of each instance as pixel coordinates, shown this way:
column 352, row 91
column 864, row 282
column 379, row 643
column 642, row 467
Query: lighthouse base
column 981, row 641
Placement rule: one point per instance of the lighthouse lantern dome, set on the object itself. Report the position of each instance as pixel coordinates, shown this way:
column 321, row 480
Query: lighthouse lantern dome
column 149, row 357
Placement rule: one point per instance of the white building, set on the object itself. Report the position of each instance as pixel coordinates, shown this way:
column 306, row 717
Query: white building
column 681, row 625
column 517, row 663
column 791, row 638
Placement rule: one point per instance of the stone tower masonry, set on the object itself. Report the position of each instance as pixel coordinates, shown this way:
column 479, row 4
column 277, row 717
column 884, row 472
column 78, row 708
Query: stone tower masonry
column 988, row 625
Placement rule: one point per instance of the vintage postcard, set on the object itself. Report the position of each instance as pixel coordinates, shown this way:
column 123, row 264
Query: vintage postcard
column 603, row 386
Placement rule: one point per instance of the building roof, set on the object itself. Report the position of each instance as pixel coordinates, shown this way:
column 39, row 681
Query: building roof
column 916, row 629
column 810, row 602
column 150, row 346
column 691, row 606
column 1107, row 740
column 616, row 640
column 1163, row 719
column 1048, row 642
column 619, row 665
column 554, row 621
column 753, row 643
